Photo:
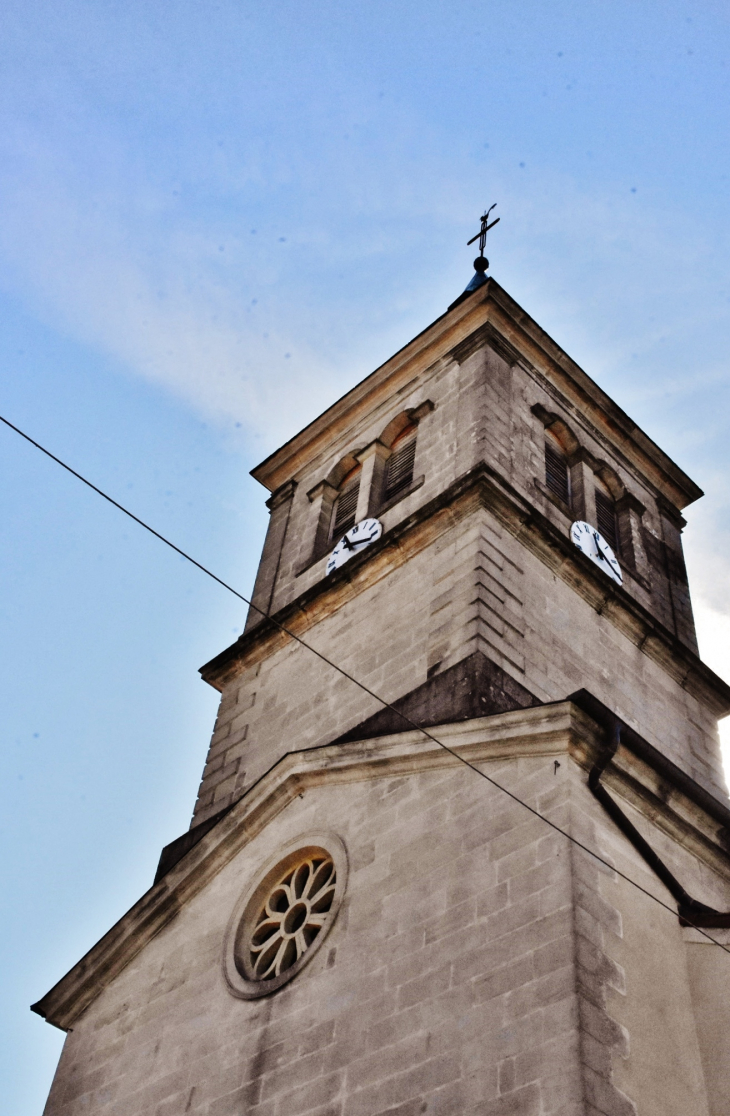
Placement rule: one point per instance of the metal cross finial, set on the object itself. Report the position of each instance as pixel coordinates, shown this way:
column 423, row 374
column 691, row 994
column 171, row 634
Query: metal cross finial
column 486, row 226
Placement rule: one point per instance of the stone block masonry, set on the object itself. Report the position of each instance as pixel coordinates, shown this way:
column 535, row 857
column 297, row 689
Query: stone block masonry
column 475, row 588
column 491, row 390
column 479, row 965
column 484, row 397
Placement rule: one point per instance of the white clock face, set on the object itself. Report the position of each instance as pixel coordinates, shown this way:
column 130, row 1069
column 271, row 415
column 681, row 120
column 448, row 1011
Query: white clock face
column 356, row 539
column 592, row 543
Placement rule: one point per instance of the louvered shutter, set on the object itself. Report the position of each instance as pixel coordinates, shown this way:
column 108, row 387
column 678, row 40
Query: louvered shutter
column 556, row 472
column 345, row 509
column 399, row 469
column 606, row 519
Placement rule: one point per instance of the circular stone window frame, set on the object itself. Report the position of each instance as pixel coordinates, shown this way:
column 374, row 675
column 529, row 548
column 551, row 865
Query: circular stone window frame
column 246, row 911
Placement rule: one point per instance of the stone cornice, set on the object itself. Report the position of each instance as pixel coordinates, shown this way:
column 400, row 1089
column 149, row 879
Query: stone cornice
column 482, row 487
column 492, row 317
column 548, row 730
column 285, row 492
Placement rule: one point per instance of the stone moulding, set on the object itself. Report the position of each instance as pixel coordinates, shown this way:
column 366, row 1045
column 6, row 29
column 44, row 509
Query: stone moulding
column 482, row 487
column 559, row 729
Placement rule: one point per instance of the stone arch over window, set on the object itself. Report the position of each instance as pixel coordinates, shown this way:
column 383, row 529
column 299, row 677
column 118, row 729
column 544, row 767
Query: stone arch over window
column 342, row 469
column 563, row 435
column 561, row 449
column 330, row 499
column 393, row 474
column 355, row 486
column 396, row 427
column 610, row 481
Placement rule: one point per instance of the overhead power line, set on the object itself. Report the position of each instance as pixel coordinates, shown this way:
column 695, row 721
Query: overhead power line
column 345, row 674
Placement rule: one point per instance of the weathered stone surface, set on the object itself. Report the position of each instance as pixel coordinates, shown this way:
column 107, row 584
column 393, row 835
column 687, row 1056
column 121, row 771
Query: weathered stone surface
column 491, row 976
column 474, row 687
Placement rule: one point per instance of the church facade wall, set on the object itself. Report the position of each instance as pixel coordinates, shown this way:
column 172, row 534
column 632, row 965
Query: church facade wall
column 707, row 968
column 478, row 964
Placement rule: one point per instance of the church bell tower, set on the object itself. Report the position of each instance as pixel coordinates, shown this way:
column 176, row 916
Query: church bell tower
column 360, row 923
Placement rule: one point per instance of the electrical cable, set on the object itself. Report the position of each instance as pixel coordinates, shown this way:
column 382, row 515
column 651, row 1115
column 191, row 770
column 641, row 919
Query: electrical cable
column 355, row 681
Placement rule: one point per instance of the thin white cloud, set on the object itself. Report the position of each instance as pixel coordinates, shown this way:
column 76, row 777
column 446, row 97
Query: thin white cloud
column 161, row 310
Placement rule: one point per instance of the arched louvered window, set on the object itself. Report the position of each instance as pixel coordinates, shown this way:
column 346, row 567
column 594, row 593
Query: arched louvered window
column 557, row 477
column 606, row 515
column 399, row 466
column 345, row 509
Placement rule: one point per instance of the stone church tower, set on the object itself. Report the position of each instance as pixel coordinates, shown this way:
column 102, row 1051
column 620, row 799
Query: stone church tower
column 357, row 923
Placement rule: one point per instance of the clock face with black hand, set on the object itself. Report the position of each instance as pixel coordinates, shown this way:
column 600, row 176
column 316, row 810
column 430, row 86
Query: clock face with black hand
column 593, row 544
column 355, row 540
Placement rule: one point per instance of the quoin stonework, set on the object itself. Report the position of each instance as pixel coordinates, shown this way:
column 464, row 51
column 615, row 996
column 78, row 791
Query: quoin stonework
column 357, row 923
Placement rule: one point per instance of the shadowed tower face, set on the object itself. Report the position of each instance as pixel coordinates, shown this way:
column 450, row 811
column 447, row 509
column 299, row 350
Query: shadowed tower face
column 357, row 923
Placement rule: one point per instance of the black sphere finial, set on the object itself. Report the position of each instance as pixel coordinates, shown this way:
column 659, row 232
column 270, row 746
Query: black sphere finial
column 481, row 263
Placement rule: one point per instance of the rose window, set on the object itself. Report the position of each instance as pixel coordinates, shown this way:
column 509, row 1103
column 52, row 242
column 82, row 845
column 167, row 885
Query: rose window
column 282, row 919
column 292, row 917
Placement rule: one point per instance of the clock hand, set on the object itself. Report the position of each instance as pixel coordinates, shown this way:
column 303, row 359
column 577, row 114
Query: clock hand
column 611, row 563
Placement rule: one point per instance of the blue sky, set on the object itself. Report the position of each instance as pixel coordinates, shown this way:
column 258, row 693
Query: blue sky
column 215, row 218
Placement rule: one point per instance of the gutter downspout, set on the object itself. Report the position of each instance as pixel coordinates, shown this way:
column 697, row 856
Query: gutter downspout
column 691, row 911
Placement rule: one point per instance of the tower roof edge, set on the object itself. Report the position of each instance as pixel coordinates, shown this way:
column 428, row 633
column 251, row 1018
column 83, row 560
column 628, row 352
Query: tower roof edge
column 532, row 345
